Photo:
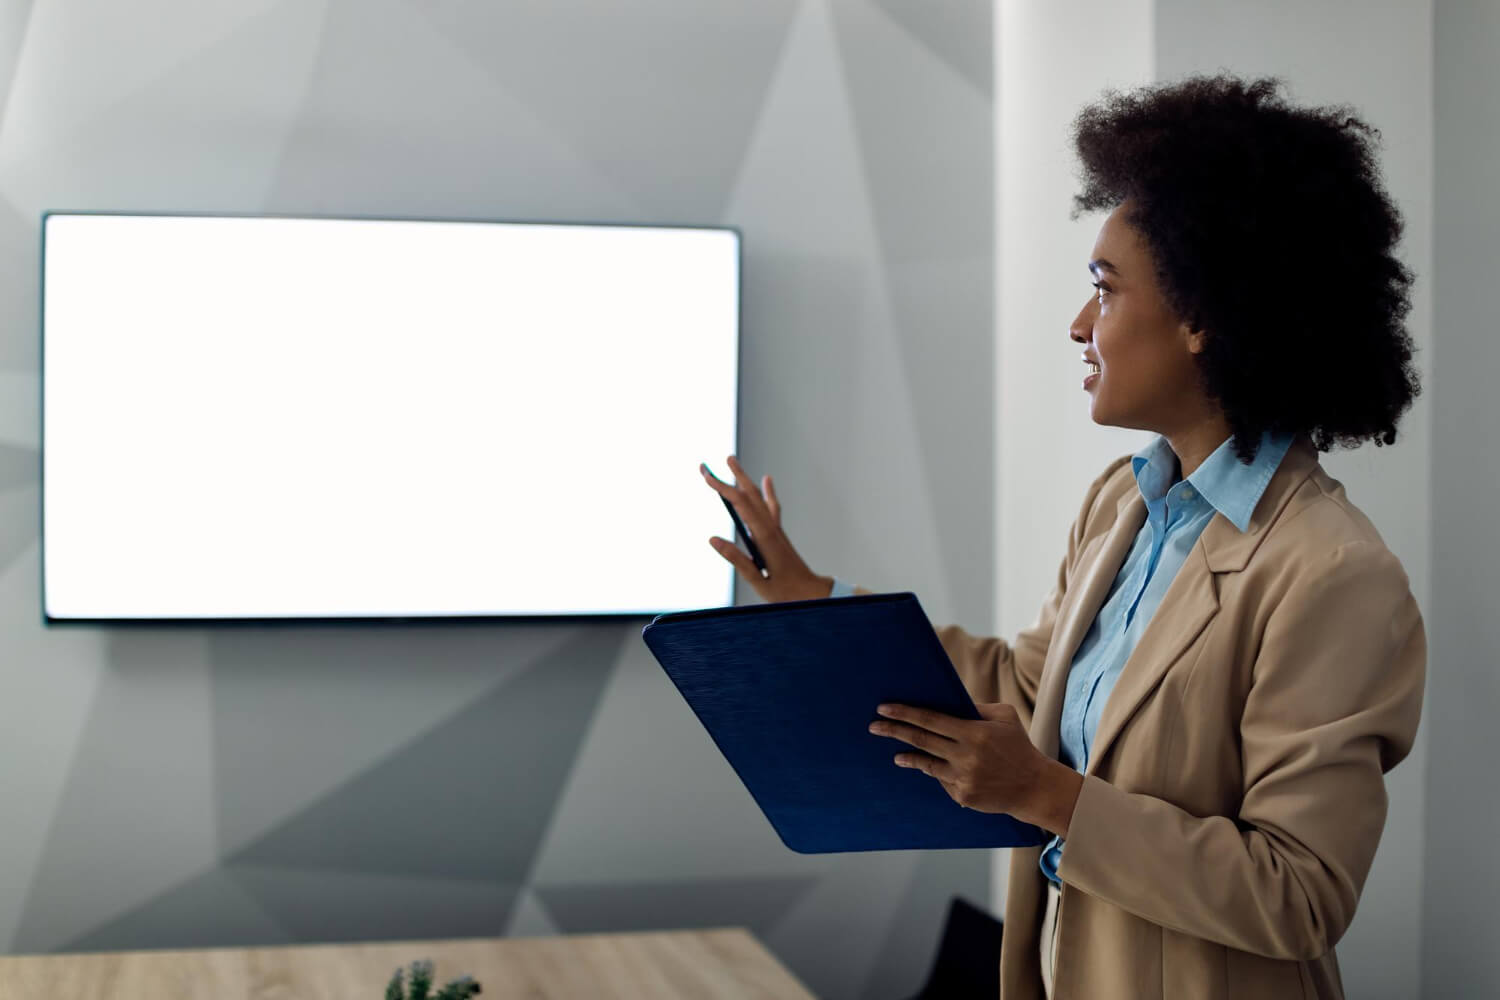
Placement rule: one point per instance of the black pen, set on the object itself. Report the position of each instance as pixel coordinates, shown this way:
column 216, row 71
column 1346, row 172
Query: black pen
column 739, row 527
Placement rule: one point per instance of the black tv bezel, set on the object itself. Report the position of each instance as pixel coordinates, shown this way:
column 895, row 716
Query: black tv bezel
column 323, row 621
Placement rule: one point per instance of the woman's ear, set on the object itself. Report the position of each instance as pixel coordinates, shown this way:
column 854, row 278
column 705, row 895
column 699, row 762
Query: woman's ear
column 1196, row 340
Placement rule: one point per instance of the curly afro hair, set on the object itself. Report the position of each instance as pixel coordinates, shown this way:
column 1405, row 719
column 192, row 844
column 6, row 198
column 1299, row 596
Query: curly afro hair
column 1273, row 234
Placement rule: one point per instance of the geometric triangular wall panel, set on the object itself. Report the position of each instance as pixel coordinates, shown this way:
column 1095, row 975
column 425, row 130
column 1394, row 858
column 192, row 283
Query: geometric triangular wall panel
column 264, row 785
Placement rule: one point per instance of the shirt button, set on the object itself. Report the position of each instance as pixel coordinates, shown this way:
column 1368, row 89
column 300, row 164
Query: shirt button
column 1187, row 494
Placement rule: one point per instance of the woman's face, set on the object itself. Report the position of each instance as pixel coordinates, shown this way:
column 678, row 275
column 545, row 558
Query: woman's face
column 1146, row 376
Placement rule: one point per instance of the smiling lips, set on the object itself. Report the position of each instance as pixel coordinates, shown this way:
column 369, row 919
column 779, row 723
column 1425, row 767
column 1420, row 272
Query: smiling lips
column 1094, row 370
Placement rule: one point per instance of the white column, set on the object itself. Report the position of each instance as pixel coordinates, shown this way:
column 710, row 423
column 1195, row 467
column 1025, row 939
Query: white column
column 1461, row 878
column 1051, row 60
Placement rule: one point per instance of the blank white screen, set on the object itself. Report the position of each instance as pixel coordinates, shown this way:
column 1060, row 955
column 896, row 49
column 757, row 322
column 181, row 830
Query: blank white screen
column 286, row 418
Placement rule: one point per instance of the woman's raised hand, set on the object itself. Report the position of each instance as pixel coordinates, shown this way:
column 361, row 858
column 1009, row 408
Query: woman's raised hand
column 787, row 576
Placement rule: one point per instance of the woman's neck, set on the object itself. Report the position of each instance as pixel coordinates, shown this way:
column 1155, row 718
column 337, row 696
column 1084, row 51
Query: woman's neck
column 1194, row 444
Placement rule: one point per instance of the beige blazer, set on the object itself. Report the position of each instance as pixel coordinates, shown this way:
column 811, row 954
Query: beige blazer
column 1235, row 794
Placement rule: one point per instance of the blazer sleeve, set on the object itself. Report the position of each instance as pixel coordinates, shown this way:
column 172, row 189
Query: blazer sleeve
column 1334, row 701
column 993, row 669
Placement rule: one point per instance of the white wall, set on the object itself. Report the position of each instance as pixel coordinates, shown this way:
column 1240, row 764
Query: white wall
column 1052, row 59
column 217, row 786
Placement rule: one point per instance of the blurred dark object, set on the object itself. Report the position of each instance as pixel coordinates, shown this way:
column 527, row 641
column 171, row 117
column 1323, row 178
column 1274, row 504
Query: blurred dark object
column 968, row 958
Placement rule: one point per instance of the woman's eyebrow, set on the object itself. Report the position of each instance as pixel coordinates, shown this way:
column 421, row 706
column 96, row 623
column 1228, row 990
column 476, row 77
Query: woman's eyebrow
column 1102, row 265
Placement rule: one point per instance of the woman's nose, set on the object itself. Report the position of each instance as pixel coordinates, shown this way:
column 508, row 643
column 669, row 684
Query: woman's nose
column 1082, row 327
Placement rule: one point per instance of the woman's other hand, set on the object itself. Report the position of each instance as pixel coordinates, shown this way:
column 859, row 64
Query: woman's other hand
column 989, row 765
column 787, row 578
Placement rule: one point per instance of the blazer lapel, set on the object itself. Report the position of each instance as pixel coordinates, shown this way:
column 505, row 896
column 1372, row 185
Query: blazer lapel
column 1079, row 613
column 1192, row 599
column 1189, row 604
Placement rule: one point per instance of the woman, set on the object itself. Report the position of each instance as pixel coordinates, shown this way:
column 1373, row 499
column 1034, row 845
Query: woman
column 1230, row 658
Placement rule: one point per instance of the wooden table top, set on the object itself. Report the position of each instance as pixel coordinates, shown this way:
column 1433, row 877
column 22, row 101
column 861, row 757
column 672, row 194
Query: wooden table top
column 693, row 965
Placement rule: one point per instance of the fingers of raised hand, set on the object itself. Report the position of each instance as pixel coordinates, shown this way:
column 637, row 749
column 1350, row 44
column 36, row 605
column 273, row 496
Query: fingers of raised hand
column 747, row 488
column 772, row 502
column 738, row 559
column 745, row 502
column 718, row 485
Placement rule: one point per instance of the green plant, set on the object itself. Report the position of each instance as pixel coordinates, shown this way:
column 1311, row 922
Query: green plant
column 418, row 985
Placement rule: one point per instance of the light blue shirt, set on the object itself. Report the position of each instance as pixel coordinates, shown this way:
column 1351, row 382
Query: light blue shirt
column 1176, row 514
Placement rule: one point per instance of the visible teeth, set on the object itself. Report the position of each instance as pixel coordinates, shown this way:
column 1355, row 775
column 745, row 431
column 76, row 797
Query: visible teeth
column 1093, row 368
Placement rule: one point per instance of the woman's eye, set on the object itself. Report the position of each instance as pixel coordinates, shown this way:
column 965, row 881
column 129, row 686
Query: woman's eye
column 1101, row 288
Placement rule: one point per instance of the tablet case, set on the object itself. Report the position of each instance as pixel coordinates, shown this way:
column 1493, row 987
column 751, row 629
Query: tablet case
column 788, row 691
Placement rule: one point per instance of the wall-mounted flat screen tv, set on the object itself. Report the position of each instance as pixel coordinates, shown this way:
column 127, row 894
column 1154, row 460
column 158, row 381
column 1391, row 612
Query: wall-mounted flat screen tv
column 299, row 418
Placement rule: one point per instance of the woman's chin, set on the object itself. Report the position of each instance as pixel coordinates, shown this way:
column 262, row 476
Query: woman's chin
column 1099, row 414
column 1105, row 417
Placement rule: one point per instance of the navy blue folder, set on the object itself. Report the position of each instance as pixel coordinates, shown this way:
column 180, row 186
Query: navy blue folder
column 788, row 692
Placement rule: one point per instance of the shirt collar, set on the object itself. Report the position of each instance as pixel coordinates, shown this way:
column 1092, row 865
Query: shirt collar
column 1229, row 485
